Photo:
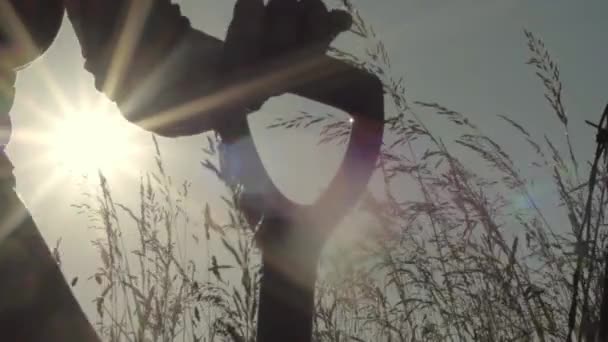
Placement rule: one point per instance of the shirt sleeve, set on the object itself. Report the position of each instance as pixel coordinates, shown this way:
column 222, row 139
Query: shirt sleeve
column 149, row 60
column 125, row 35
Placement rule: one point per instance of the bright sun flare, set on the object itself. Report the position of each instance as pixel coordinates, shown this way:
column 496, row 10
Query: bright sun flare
column 88, row 140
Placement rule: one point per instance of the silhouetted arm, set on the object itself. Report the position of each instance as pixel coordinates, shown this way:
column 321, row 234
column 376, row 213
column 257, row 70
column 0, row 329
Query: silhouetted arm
column 174, row 80
column 151, row 62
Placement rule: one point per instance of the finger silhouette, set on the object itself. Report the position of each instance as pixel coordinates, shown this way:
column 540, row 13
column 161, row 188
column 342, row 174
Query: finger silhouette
column 281, row 26
column 341, row 21
column 244, row 37
column 247, row 18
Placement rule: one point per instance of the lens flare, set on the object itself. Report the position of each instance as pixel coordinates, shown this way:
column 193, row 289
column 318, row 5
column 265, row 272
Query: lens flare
column 86, row 140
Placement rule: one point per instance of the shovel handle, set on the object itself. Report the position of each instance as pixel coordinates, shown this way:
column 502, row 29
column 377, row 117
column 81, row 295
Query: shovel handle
column 333, row 83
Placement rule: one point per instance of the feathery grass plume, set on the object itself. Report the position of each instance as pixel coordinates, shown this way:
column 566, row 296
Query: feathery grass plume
column 457, row 249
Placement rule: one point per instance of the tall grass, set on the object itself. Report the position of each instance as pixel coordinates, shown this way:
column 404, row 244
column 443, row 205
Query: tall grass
column 151, row 288
column 465, row 254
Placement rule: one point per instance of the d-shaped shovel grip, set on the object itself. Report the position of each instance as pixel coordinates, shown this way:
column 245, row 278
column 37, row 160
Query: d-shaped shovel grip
column 337, row 84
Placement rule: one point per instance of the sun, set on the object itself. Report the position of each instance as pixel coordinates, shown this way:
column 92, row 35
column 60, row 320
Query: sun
column 90, row 139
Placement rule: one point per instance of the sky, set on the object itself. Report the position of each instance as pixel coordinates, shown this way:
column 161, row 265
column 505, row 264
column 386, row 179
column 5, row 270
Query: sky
column 468, row 55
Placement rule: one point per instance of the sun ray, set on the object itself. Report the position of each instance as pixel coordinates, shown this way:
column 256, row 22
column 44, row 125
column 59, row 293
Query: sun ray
column 19, row 214
column 132, row 28
column 258, row 86
column 53, row 86
column 41, row 113
column 45, row 187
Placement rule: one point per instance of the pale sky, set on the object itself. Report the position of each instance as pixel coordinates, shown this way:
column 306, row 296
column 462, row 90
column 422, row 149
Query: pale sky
column 468, row 55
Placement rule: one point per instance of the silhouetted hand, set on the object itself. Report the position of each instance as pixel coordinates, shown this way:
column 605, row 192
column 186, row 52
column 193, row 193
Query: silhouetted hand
column 283, row 26
column 262, row 34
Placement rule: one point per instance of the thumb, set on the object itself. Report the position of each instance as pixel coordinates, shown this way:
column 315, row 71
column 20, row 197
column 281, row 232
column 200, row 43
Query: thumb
column 340, row 21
